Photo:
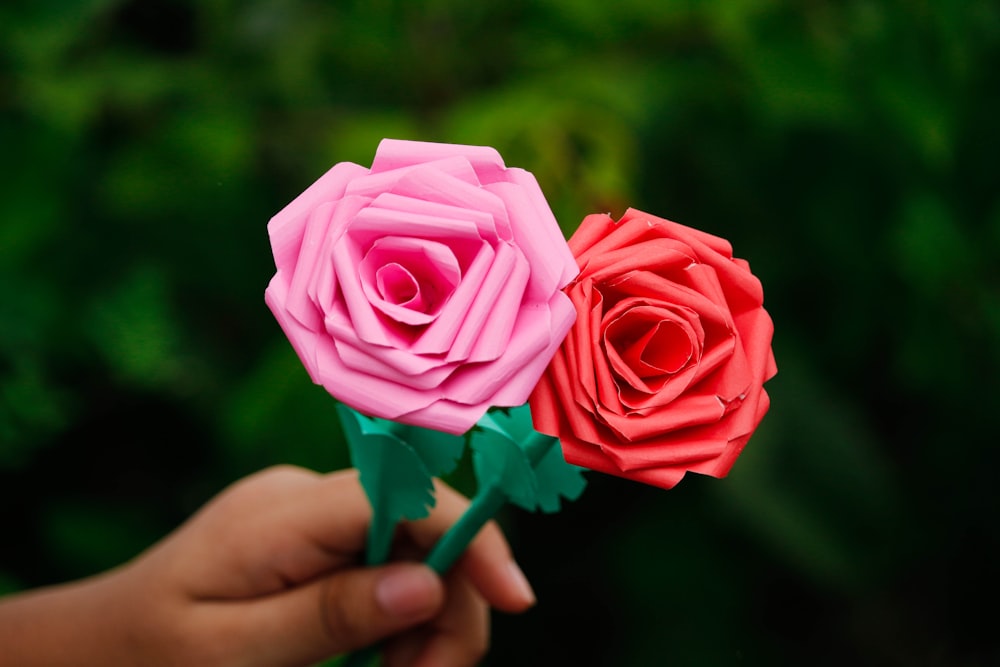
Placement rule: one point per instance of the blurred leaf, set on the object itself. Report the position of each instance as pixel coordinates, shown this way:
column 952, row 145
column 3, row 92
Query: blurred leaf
column 31, row 410
column 813, row 483
column 930, row 248
column 276, row 415
column 135, row 329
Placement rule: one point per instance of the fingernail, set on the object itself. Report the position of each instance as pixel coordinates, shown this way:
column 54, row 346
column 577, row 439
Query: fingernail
column 408, row 591
column 521, row 583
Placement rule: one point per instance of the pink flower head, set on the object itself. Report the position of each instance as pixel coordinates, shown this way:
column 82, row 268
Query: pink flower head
column 426, row 289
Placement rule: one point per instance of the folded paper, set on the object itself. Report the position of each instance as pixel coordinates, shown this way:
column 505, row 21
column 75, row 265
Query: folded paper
column 425, row 289
column 663, row 371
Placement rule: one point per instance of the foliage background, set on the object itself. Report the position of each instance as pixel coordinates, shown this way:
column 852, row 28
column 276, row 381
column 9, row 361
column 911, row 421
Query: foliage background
column 848, row 149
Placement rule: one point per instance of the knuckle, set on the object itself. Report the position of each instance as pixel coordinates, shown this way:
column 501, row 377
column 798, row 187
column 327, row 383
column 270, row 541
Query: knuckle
column 340, row 623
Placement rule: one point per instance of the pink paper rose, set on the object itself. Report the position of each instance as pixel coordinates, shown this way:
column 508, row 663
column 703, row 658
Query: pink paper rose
column 425, row 289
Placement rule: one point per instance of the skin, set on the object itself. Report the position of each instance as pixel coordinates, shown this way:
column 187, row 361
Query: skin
column 268, row 574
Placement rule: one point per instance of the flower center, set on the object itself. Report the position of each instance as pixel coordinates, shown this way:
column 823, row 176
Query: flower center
column 409, row 280
column 665, row 348
column 398, row 286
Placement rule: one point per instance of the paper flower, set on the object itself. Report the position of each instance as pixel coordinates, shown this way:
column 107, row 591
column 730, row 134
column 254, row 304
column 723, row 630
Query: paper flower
column 426, row 289
column 663, row 371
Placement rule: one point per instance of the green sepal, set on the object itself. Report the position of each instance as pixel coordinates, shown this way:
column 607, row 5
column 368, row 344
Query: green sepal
column 499, row 462
column 557, row 479
column 397, row 464
column 526, row 465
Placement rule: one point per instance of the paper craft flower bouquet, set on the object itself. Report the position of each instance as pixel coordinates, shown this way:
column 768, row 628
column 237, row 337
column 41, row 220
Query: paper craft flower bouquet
column 435, row 297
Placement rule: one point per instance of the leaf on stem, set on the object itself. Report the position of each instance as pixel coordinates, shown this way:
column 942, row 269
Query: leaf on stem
column 397, row 465
column 527, row 466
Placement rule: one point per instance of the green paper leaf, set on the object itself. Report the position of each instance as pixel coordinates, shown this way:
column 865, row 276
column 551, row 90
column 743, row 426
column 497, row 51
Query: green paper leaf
column 500, row 462
column 557, row 479
column 394, row 476
column 526, row 465
column 439, row 451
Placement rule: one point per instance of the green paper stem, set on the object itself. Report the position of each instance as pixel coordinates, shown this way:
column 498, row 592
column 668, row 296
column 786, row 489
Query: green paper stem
column 537, row 446
column 485, row 504
column 449, row 548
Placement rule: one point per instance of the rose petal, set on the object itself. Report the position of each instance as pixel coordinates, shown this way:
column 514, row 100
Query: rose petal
column 592, row 457
column 303, row 340
column 367, row 393
column 488, row 215
column 286, row 228
column 346, row 257
column 593, row 229
column 546, row 227
column 426, row 272
column 438, row 337
column 375, row 183
column 516, row 391
column 639, row 325
column 395, row 153
column 438, row 187
column 487, row 328
column 360, row 360
column 445, row 415
column 299, row 304
column 660, row 256
column 372, row 223
column 338, row 326
column 687, row 410
column 322, row 285
column 669, row 451
column 476, row 383
column 529, row 223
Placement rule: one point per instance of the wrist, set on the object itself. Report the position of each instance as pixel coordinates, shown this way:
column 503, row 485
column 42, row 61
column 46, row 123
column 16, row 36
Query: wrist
column 83, row 622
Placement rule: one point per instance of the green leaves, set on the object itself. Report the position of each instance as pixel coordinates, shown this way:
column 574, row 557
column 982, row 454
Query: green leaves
column 526, row 465
column 397, row 464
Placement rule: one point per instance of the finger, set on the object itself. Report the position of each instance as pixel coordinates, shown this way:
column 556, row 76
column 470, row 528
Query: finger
column 487, row 562
column 312, row 523
column 343, row 612
column 457, row 637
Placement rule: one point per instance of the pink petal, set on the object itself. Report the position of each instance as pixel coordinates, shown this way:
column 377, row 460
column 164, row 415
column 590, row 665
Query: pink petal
column 396, row 153
column 302, row 339
column 287, row 226
column 361, row 361
column 483, row 216
column 299, row 304
column 495, row 332
column 438, row 337
column 436, row 186
column 475, row 316
column 532, row 225
column 371, row 185
column 474, row 383
column 559, row 255
column 515, row 392
column 426, row 272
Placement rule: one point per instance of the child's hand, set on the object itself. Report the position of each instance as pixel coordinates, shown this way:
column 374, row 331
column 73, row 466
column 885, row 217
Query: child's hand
column 268, row 573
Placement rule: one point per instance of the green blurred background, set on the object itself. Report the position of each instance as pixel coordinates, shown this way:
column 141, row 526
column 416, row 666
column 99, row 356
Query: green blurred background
column 847, row 148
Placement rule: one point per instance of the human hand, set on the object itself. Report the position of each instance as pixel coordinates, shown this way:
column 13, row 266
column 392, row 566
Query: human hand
column 268, row 574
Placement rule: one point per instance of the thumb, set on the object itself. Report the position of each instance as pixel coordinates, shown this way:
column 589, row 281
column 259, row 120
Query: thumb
column 360, row 607
column 348, row 610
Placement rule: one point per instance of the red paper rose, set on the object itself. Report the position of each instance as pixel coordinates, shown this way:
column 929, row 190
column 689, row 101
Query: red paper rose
column 663, row 370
